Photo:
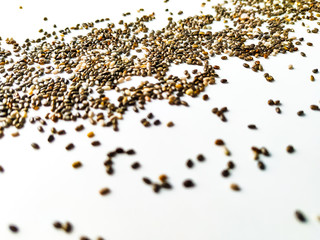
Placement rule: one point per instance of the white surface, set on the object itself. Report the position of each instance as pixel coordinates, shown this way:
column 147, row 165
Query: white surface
column 39, row 187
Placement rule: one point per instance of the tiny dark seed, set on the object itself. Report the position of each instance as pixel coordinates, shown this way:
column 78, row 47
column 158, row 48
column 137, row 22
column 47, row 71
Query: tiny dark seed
column 252, row 126
column 95, row 143
column 278, row 110
column 1, row 169
column 290, row 149
column 189, row 163
column 135, row 165
column 150, row 116
column 188, row 183
column 235, row 187
column 70, row 146
column 300, row 113
column 79, row 128
column 13, row 228
column 61, row 132
column 119, row 150
column 270, row 102
column 314, row 107
column 157, row 122
column 40, row 129
column 300, row 216
column 77, row 164
column 104, row 191
column 219, row 142
column 166, row 185
column 224, row 81
column 50, row 138
column 205, row 97
column 146, row 180
column 170, row 124
column 84, row 238
column 225, row 173
column 231, row 165
column 315, row 70
column 35, row 146
column 246, row 65
column 68, row 227
column 303, row 54
column 200, row 158
column 261, row 165
column 131, row 152
column 57, row 225
column 156, row 187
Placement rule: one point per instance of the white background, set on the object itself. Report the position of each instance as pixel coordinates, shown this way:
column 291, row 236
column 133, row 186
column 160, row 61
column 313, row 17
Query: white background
column 39, row 187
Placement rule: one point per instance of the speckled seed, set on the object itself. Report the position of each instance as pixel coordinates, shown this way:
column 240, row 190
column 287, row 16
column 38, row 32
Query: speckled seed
column 105, row 191
column 35, row 146
column 77, row 164
column 235, row 187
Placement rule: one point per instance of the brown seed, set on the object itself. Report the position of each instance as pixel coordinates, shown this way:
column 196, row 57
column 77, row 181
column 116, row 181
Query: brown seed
column 35, row 146
column 13, row 228
column 261, row 165
column 225, row 173
column 50, row 138
column 1, row 169
column 219, row 142
column 170, row 124
column 77, row 164
column 189, row 163
column 67, row 227
column 163, row 177
column 278, row 110
column 157, row 122
column 231, row 165
column 300, row 113
column 205, row 97
column 235, row 187
column 224, row 81
column 226, row 151
column 131, row 152
column 150, row 116
column 290, row 149
column 119, row 150
column 61, row 132
column 70, row 146
column 300, row 216
column 270, row 102
column 312, row 78
column 84, row 238
column 79, row 128
column 57, row 225
column 314, row 107
column 90, row 134
column 290, row 66
column 252, row 126
column 104, row 191
column 96, row 143
column 156, row 187
column 147, row 181
column 15, row 134
column 200, row 158
column 135, row 165
column 188, row 183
